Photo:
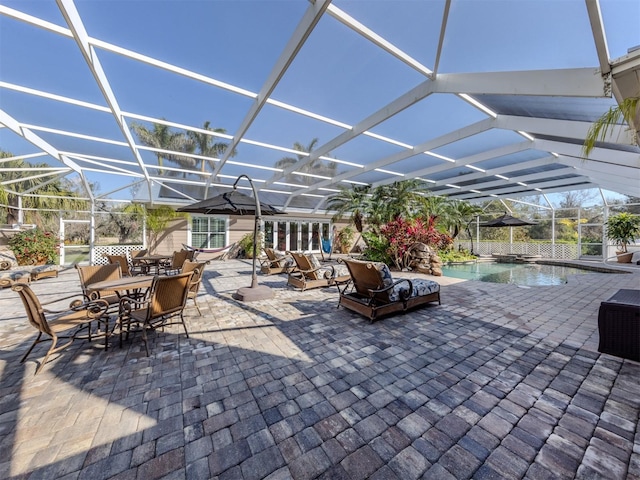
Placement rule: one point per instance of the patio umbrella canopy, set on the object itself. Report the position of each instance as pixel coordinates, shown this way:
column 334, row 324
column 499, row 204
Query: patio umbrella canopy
column 506, row 221
column 230, row 202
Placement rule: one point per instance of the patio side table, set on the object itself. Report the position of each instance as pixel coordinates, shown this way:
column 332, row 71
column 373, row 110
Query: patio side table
column 619, row 325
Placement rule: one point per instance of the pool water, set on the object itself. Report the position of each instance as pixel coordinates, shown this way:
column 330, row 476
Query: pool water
column 530, row 274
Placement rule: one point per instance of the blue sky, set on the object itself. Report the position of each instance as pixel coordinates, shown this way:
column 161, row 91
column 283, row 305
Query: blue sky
column 337, row 73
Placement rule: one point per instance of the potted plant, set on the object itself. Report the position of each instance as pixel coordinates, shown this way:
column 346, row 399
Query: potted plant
column 622, row 229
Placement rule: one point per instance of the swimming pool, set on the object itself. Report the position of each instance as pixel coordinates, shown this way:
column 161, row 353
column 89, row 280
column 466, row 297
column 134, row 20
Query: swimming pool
column 517, row 273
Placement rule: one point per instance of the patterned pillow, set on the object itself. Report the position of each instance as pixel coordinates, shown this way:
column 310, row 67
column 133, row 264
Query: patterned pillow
column 313, row 261
column 340, row 271
column 385, row 273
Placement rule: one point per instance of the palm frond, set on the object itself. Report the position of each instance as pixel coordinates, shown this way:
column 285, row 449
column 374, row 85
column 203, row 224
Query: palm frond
column 601, row 128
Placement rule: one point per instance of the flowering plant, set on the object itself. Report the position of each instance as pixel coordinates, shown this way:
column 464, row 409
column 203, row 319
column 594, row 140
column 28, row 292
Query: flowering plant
column 402, row 233
column 34, row 247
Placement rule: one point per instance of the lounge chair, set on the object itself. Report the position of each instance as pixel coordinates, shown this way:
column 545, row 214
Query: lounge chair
column 276, row 262
column 373, row 292
column 309, row 273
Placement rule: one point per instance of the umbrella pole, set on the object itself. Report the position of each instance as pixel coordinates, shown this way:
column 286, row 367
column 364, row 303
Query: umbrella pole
column 255, row 291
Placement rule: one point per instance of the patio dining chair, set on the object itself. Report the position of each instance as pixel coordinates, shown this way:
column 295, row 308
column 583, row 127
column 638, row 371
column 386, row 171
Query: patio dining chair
column 174, row 265
column 90, row 274
column 122, row 261
column 309, row 273
column 165, row 301
column 138, row 267
column 61, row 324
column 198, row 271
column 373, row 292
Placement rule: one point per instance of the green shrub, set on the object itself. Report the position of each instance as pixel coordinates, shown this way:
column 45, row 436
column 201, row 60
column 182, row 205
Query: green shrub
column 246, row 246
column 450, row 255
column 377, row 247
column 34, row 247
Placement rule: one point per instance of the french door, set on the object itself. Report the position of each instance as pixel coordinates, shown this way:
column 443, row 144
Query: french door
column 295, row 235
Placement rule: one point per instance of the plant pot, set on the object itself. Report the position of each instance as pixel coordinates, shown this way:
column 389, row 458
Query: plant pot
column 624, row 257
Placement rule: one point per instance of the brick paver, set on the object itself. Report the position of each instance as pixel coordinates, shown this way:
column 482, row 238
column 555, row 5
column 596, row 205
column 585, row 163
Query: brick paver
column 498, row 382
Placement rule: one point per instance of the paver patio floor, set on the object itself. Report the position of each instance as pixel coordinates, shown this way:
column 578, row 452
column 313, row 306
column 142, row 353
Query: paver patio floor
column 498, row 382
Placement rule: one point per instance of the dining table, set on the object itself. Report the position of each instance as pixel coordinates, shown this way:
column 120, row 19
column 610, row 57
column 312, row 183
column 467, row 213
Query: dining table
column 153, row 261
column 126, row 285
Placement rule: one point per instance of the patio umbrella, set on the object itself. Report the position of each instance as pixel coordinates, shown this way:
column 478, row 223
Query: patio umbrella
column 233, row 202
column 506, row 221
column 240, row 204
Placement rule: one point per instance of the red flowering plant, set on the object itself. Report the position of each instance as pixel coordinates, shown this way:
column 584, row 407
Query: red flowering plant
column 34, row 247
column 402, row 233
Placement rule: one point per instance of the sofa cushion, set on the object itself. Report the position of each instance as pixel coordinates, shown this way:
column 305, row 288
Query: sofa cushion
column 421, row 288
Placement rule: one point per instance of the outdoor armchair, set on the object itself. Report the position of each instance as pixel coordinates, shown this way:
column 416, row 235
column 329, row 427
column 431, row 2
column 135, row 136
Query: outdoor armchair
column 373, row 292
column 164, row 303
column 61, row 324
column 309, row 273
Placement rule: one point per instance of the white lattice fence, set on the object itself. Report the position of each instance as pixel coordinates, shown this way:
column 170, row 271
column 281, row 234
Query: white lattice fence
column 546, row 250
column 101, row 251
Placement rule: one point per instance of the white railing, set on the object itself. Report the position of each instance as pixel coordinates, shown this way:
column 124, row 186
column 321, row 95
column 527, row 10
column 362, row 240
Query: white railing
column 547, row 250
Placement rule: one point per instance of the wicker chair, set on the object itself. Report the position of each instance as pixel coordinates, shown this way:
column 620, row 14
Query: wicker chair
column 166, row 300
column 138, row 267
column 373, row 292
column 198, row 271
column 310, row 274
column 276, row 262
column 61, row 324
column 123, row 262
column 178, row 258
column 90, row 274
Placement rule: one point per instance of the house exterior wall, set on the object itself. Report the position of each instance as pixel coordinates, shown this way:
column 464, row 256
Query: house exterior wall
column 177, row 232
column 171, row 239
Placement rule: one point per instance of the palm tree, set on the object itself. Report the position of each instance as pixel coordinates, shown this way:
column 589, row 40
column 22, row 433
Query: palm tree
column 204, row 143
column 45, row 199
column 315, row 167
column 459, row 214
column 162, row 137
column 352, row 201
column 405, row 199
column 436, row 208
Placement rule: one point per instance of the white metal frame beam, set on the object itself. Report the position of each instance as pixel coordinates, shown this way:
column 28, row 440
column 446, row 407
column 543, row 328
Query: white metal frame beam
column 303, row 30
